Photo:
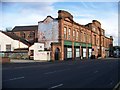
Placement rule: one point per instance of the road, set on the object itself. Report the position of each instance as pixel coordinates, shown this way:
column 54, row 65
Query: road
column 65, row 74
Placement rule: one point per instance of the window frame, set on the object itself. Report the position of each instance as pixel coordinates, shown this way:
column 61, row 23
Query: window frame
column 8, row 48
column 65, row 32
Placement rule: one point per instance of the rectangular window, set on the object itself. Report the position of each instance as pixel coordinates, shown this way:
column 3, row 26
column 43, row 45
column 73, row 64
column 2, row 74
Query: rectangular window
column 103, row 41
column 84, row 37
column 8, row 47
column 77, row 35
column 93, row 28
column 84, row 52
column 22, row 34
column 87, row 40
column 73, row 34
column 80, row 36
column 31, row 35
column 77, row 52
column 69, row 52
column 90, row 52
column 69, row 33
column 65, row 31
column 106, row 44
column 95, row 39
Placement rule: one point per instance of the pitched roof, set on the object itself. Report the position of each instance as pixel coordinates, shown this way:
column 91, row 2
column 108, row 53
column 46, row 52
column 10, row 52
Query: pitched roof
column 25, row 28
column 48, row 17
column 15, row 37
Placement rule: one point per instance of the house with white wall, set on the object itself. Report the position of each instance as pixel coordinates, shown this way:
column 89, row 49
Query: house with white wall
column 36, row 52
column 10, row 42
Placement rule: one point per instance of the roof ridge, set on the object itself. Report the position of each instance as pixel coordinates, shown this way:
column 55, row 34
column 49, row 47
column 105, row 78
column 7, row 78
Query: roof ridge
column 25, row 28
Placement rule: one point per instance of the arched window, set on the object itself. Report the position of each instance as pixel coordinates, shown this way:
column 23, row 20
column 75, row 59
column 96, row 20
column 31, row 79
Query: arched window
column 32, row 34
column 22, row 34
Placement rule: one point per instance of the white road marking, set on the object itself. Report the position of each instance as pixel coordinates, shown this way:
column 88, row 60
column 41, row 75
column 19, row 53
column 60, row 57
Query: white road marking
column 56, row 71
column 57, row 86
column 117, row 85
column 50, row 72
column 14, row 79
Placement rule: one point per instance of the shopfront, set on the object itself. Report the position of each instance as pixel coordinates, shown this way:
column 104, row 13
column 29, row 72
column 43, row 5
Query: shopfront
column 67, row 50
column 76, row 50
column 89, row 50
column 84, row 51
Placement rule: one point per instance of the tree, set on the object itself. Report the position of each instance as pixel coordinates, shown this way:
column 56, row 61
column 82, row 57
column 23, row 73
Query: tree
column 8, row 29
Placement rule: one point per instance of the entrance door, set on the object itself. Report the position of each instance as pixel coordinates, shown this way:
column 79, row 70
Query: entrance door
column 57, row 51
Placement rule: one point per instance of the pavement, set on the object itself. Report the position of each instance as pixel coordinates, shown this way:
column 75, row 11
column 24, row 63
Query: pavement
column 25, row 61
column 86, row 74
column 30, row 61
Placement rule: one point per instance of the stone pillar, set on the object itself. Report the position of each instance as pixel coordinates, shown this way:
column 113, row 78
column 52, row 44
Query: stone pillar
column 73, row 51
column 61, row 37
column 87, row 52
column 80, row 52
column 62, row 50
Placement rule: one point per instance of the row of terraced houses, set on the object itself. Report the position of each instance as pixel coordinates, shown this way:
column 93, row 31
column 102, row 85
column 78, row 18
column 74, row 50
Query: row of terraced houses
column 67, row 39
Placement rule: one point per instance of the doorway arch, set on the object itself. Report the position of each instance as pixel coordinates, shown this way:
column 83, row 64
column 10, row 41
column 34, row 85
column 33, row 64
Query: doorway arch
column 57, row 53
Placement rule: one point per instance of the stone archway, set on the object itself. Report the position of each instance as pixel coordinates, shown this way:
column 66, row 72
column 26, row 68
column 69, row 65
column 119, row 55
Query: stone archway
column 57, row 53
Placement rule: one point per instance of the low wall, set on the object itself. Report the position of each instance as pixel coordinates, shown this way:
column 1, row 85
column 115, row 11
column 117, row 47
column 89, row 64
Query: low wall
column 42, row 55
column 5, row 59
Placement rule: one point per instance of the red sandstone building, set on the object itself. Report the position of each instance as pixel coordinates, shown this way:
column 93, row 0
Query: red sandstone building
column 29, row 33
column 67, row 39
column 74, row 41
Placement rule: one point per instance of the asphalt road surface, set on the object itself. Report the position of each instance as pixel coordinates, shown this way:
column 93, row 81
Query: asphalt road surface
column 65, row 74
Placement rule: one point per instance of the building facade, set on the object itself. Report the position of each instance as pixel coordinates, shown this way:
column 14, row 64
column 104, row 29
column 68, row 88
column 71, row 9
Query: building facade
column 48, row 31
column 72, row 40
column 67, row 39
column 29, row 33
